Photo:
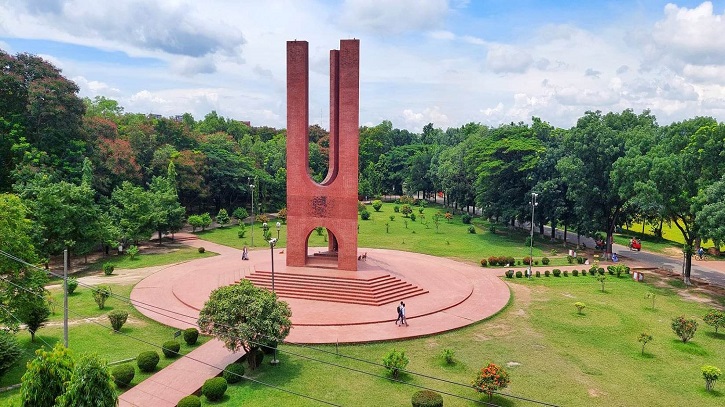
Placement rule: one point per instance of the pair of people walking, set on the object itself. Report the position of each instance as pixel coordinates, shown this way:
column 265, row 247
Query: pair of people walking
column 401, row 315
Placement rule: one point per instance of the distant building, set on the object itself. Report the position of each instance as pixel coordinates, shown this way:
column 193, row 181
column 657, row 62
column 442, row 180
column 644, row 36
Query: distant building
column 178, row 118
column 154, row 116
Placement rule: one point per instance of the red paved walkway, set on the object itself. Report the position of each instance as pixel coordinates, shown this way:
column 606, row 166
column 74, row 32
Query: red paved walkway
column 458, row 295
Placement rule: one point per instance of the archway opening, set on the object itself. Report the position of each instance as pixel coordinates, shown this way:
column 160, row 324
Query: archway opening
column 322, row 248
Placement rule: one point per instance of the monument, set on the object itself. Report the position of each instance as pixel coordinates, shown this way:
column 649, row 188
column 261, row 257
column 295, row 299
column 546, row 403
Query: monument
column 332, row 203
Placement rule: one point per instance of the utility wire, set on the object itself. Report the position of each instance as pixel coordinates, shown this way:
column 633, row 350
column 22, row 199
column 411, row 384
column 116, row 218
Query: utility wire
column 155, row 309
column 187, row 356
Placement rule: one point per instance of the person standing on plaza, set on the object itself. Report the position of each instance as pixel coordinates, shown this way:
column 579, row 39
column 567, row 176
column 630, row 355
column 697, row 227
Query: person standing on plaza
column 402, row 314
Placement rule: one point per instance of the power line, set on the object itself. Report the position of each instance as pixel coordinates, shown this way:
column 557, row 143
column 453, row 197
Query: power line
column 155, row 309
column 186, row 356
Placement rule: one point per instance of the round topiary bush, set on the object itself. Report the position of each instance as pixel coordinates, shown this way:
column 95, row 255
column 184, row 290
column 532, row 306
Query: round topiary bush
column 364, row 215
column 427, row 398
column 556, row 272
column 545, row 261
column 117, row 318
column 233, row 373
column 147, row 361
column 189, row 401
column 538, row 273
column 509, row 274
column 519, row 274
column 171, row 349
column 191, row 335
column 466, row 218
column 72, row 285
column 123, row 374
column 214, row 388
column 484, row 262
column 547, row 273
column 575, row 272
column 202, row 250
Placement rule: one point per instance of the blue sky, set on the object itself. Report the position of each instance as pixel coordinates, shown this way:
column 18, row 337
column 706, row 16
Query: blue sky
column 448, row 62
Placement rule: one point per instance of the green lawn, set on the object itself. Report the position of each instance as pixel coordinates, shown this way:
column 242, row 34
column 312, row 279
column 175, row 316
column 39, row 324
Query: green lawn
column 450, row 239
column 142, row 260
column 85, row 336
column 555, row 355
column 671, row 238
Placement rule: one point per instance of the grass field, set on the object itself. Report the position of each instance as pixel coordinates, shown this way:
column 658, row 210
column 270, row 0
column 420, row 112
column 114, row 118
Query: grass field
column 90, row 331
column 142, row 260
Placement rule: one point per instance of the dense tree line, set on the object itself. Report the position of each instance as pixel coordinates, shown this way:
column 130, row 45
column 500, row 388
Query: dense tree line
column 88, row 173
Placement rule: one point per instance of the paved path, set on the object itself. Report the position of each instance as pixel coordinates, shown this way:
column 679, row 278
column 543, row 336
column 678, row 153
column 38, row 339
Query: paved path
column 459, row 294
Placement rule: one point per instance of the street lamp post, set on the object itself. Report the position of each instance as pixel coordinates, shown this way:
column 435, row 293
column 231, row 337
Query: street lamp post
column 272, row 243
column 279, row 226
column 251, row 187
column 531, row 239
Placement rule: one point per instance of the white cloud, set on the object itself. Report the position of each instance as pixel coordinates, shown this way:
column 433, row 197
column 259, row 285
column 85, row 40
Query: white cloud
column 508, row 59
column 95, row 88
column 417, row 120
column 384, row 17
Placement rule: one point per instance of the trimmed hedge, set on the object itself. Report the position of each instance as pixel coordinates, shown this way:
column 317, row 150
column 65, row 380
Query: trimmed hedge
column 123, row 374
column 214, row 388
column 190, row 401
column 147, row 361
column 117, row 318
column 191, row 335
column 427, row 398
column 171, row 348
column 233, row 373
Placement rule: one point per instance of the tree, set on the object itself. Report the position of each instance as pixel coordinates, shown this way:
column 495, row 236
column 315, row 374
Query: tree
column 46, row 377
column 132, row 211
column 245, row 317
column 395, row 361
column 167, row 214
column 222, row 218
column 490, row 379
column 715, row 318
column 711, row 218
column 90, row 385
column 684, row 328
column 10, row 351
column 644, row 337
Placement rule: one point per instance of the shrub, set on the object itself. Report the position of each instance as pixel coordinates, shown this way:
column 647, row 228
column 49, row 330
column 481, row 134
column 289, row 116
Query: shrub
column 240, row 213
column 426, row 398
column 147, row 361
column 484, row 262
column 510, row 274
column 262, row 218
column 448, row 216
column 233, row 373
column 466, row 218
column 395, row 362
column 449, row 356
column 580, row 260
column 593, row 269
column 575, row 272
column 123, row 374
column 242, row 230
column 117, row 318
column 526, row 260
column 569, row 259
column 189, row 401
column 132, row 252
column 600, row 270
column 108, row 268
column 214, row 388
column 547, row 273
column 610, row 269
column 406, row 210
column 392, row 217
column 566, row 273
column 364, row 214
column 580, row 306
column 202, row 249
column 191, row 335
column 710, row 374
column 545, row 261
column 536, row 262
column 510, row 261
column 519, row 274
column 101, row 294
column 492, row 229
column 396, row 208
column 556, row 272
column 360, row 206
column 72, row 285
column 412, row 217
column 644, row 337
column 493, row 260
column 538, row 273
column 490, row 379
column 472, row 229
column 684, row 328
column 222, row 217
column 714, row 318
column 195, row 221
column 171, row 348
column 377, row 204
column 10, row 351
column 602, row 279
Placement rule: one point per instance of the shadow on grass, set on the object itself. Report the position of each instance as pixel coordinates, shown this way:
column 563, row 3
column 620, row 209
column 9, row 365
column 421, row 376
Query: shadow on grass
column 646, row 355
column 719, row 335
column 208, row 402
column 690, row 347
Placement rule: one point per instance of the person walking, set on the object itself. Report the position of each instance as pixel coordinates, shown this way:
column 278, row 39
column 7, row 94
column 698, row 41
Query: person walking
column 245, row 253
column 400, row 314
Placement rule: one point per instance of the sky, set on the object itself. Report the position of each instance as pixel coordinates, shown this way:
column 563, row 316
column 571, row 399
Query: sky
column 446, row 62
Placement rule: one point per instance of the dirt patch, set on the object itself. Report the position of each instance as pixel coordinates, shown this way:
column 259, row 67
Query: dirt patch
column 431, row 343
column 700, row 291
column 596, row 393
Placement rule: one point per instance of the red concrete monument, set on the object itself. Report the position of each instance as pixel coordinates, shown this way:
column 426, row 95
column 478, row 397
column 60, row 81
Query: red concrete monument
column 332, row 203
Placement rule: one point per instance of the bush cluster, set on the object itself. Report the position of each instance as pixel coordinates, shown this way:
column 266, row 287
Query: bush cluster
column 189, row 401
column 214, row 388
column 123, row 374
column 509, row 274
column 427, row 398
column 233, row 373
column 484, row 262
column 580, row 260
column 501, row 261
column 466, row 218
column 72, row 285
column 117, row 318
column 147, row 361
column 171, row 348
column 191, row 335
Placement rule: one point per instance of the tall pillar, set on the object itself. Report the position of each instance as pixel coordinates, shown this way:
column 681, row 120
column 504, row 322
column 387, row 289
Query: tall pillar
column 333, row 203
